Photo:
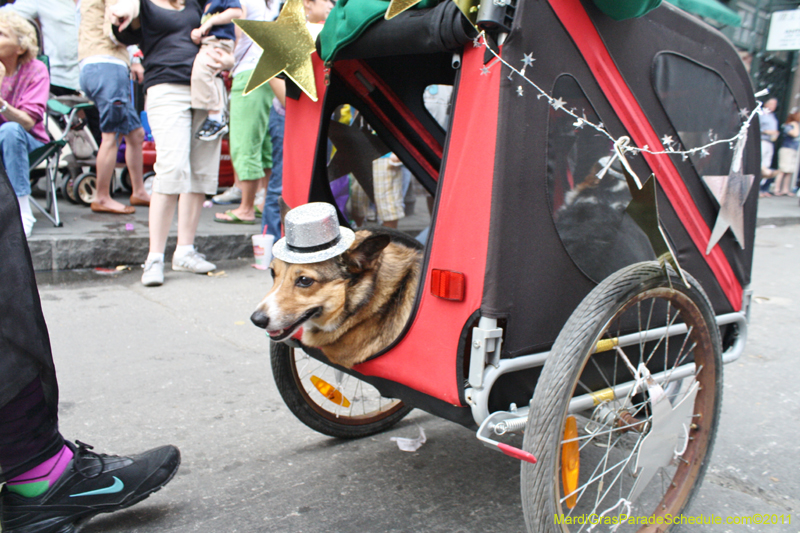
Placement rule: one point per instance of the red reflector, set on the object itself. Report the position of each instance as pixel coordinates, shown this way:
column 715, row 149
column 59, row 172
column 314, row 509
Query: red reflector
column 448, row 285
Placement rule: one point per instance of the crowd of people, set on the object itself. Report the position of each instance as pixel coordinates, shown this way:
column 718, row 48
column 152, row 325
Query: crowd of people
column 786, row 138
column 176, row 50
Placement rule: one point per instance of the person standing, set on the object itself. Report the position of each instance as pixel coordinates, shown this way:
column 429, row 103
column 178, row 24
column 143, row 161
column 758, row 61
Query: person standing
column 316, row 13
column 186, row 168
column 787, row 155
column 769, row 134
column 251, row 146
column 105, row 79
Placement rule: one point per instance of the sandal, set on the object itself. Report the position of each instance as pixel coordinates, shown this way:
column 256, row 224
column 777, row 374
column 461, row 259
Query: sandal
column 233, row 219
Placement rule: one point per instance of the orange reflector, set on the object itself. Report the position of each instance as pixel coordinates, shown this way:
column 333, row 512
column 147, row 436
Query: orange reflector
column 570, row 462
column 448, row 285
column 330, row 392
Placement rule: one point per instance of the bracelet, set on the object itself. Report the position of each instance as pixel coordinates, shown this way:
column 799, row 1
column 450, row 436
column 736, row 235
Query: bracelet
column 3, row 107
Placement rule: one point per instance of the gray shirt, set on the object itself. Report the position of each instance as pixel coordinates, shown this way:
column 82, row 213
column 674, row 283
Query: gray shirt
column 59, row 22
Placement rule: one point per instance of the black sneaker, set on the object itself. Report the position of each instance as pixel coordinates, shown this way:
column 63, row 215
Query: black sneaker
column 91, row 484
column 211, row 129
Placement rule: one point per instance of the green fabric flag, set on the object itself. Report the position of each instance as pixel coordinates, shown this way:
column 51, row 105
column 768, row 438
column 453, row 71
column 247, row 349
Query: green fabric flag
column 626, row 9
column 349, row 18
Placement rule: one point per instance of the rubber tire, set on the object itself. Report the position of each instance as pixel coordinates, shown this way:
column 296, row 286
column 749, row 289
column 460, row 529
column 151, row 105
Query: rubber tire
column 304, row 408
column 68, row 188
column 125, row 180
column 148, row 178
column 540, row 483
column 85, row 187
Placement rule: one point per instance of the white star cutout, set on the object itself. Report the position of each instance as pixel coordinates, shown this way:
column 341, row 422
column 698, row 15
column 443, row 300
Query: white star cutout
column 668, row 427
column 519, row 91
column 558, row 104
column 731, row 192
column 666, row 140
column 528, row 59
column 484, row 70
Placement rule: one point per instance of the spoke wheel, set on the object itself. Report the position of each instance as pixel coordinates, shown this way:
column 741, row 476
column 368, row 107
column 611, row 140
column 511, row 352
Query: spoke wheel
column 328, row 400
column 638, row 456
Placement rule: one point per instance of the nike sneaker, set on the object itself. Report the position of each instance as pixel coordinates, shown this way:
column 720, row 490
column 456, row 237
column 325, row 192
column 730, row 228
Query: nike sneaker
column 91, row 484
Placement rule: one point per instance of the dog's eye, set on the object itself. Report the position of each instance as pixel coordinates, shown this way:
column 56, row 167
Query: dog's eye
column 304, row 281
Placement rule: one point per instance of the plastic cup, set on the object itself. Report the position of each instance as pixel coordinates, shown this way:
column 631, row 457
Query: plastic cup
column 262, row 250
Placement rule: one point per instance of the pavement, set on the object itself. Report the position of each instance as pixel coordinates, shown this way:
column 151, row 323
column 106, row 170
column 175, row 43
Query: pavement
column 182, row 364
column 91, row 240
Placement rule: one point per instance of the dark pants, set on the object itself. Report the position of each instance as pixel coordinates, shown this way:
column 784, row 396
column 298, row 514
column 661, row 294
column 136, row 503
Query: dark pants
column 28, row 387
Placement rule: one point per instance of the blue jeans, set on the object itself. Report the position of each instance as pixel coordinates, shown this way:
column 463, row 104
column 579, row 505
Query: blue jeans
column 15, row 145
column 272, row 211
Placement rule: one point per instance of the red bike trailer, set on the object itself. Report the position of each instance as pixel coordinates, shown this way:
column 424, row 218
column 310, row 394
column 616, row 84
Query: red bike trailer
column 568, row 327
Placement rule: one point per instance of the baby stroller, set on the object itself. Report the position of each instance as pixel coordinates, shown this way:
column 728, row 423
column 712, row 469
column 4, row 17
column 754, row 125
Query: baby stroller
column 563, row 295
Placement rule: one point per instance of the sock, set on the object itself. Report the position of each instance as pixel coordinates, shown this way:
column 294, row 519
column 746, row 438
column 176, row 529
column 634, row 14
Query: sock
column 39, row 479
column 183, row 249
column 154, row 257
column 26, row 214
column 216, row 116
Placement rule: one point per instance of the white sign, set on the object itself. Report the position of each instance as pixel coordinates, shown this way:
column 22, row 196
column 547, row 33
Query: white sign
column 784, row 30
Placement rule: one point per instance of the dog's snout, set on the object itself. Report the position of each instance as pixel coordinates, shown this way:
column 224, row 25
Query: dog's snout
column 259, row 319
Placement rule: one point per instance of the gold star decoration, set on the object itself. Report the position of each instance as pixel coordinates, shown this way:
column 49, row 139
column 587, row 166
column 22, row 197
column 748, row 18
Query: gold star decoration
column 468, row 7
column 287, row 46
column 731, row 192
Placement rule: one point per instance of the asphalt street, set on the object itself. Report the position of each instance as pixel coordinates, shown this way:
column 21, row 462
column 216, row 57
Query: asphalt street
column 181, row 364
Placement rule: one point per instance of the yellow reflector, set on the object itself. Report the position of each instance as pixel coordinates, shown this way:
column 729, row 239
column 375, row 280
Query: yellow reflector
column 330, row 392
column 570, row 462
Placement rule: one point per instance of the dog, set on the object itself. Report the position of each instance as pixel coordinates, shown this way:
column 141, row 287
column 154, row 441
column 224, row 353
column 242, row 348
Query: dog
column 350, row 306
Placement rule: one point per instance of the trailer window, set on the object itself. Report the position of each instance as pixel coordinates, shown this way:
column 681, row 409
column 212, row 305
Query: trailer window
column 587, row 197
column 701, row 108
column 369, row 183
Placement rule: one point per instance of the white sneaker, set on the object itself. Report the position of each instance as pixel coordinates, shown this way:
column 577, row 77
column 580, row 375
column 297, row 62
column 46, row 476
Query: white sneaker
column 192, row 262
column 153, row 275
column 232, row 196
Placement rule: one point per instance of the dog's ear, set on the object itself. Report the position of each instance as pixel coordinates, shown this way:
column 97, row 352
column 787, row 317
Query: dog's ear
column 284, row 209
column 364, row 255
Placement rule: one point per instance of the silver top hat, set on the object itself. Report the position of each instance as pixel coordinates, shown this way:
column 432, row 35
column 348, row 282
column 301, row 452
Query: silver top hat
column 313, row 234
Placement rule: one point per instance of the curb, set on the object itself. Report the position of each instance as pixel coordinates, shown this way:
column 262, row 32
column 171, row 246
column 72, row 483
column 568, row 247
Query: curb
column 52, row 253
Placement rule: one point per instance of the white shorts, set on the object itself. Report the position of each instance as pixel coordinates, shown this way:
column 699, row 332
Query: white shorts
column 183, row 163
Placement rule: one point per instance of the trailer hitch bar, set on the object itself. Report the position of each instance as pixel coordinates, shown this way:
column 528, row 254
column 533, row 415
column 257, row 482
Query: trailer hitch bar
column 499, row 423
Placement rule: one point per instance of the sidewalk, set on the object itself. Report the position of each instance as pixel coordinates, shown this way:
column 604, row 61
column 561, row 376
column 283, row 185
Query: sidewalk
column 89, row 240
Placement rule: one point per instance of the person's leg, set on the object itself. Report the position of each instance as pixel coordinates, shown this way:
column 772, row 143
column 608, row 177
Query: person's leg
column 15, row 145
column 250, row 146
column 170, row 115
column 133, row 160
column 106, row 162
column 202, row 83
column 271, row 219
column 48, row 487
column 203, row 180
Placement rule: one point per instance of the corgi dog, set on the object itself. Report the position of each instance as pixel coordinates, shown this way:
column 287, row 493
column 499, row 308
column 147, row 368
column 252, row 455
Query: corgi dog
column 350, row 306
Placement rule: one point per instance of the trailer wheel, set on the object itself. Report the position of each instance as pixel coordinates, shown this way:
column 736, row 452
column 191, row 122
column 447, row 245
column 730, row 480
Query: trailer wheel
column 329, row 401
column 591, row 453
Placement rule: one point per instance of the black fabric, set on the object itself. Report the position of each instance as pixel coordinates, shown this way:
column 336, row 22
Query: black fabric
column 415, row 31
column 25, row 354
column 540, row 284
column 165, row 40
column 28, row 431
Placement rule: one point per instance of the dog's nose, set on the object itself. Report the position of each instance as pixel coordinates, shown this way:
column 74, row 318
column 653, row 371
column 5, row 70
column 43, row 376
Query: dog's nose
column 260, row 319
